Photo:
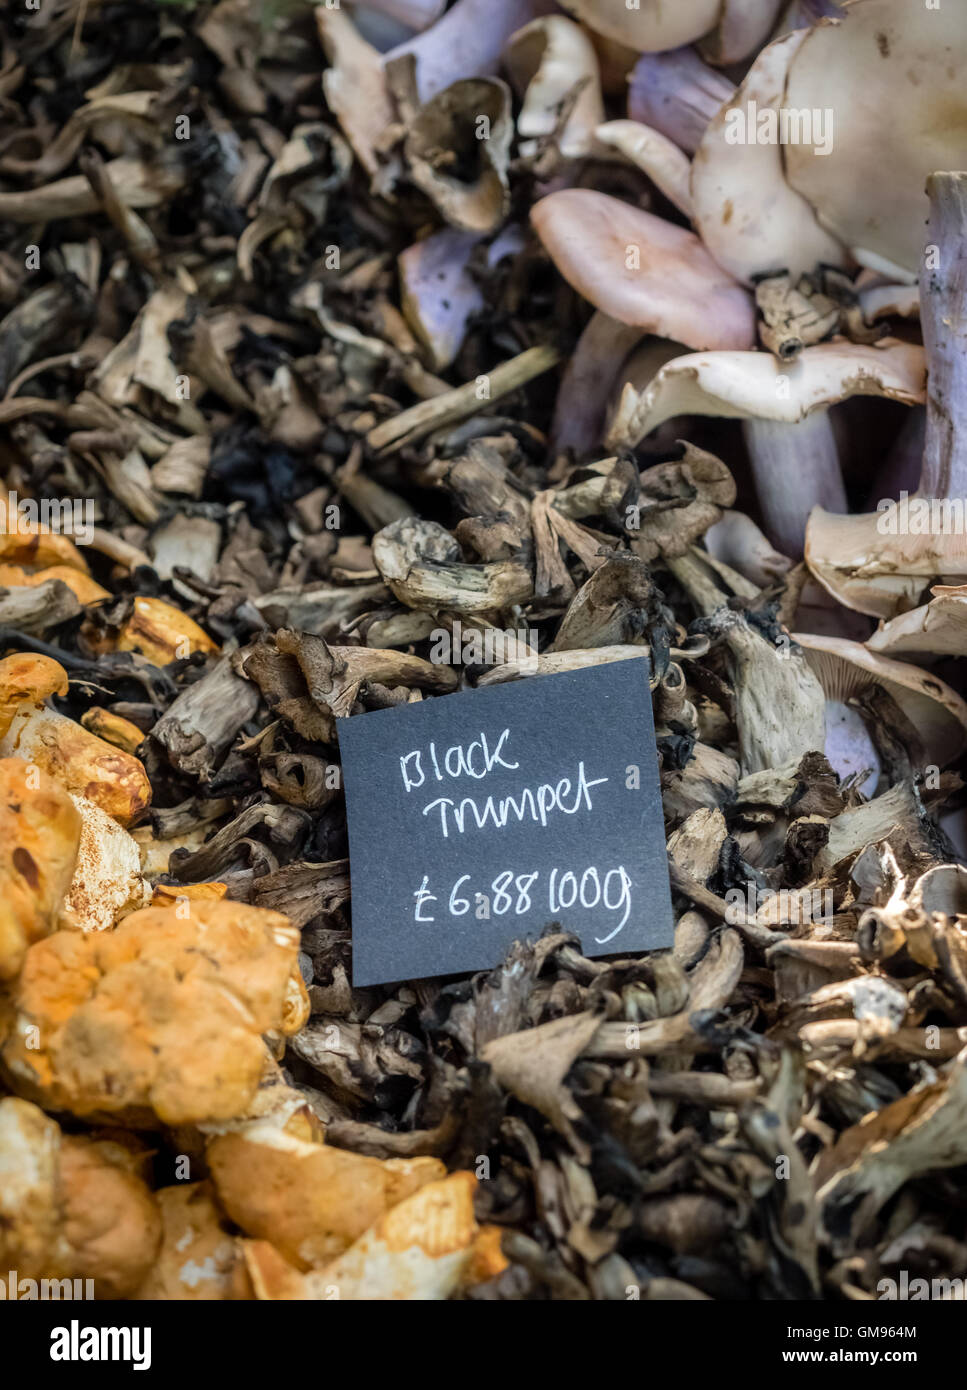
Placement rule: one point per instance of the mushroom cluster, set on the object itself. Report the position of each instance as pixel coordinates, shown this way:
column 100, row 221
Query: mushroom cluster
column 163, row 1019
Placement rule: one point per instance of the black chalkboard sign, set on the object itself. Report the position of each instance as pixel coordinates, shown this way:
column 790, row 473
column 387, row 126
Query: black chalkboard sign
column 480, row 817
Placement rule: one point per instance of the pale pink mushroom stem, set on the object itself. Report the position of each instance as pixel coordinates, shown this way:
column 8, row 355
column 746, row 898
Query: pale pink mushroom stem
column 588, row 381
column 943, row 317
column 796, row 467
column 901, row 470
column 678, row 94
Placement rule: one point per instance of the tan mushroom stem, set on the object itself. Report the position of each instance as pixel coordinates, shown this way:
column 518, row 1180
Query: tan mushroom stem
column 796, row 467
column 943, row 316
column 678, row 94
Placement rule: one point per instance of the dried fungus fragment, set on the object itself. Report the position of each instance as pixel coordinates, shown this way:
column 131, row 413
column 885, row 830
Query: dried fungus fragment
column 464, row 176
column 918, row 1133
column 161, row 633
column 534, row 1063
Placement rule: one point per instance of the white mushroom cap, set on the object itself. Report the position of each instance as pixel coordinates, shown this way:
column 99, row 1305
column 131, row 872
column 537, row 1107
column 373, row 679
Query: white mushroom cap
column 894, row 76
column 755, row 385
column 643, row 270
column 749, row 217
column 653, row 26
column 544, row 61
column 845, row 669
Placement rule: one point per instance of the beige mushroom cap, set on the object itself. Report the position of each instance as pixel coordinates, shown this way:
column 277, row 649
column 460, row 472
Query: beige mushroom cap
column 748, row 216
column 937, row 628
column 937, row 713
column 894, row 77
column 642, row 270
column 867, row 566
column 544, row 61
column 653, row 27
column 756, row 386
